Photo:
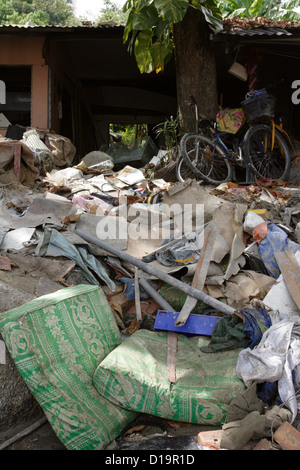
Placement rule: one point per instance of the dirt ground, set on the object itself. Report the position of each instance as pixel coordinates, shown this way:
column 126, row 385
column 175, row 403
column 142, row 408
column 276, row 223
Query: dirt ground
column 43, row 438
column 158, row 435
column 145, row 433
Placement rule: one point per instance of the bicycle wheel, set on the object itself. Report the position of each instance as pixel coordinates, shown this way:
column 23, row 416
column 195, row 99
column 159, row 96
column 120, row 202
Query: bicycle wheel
column 183, row 172
column 265, row 159
column 205, row 158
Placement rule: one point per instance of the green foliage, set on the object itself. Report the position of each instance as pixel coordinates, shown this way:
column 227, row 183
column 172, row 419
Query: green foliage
column 172, row 11
column 111, row 12
column 132, row 134
column 288, row 10
column 170, row 130
column 280, row 10
column 148, row 30
column 40, row 12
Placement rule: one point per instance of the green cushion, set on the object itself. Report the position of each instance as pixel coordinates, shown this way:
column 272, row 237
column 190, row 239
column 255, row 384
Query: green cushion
column 135, row 377
column 56, row 342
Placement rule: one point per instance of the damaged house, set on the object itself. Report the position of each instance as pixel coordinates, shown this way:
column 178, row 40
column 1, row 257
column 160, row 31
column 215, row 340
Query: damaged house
column 125, row 295
column 77, row 81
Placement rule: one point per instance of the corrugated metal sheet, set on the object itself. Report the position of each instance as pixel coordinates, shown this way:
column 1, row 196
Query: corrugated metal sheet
column 260, row 27
column 60, row 28
column 257, row 32
column 242, row 28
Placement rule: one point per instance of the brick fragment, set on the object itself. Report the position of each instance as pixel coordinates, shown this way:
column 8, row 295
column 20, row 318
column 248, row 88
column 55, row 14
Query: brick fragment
column 210, row 439
column 263, row 444
column 287, row 437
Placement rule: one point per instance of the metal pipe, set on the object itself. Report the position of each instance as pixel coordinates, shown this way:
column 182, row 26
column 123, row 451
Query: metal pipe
column 152, row 270
column 155, row 295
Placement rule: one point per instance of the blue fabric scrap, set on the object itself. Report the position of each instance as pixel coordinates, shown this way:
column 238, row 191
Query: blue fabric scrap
column 275, row 240
column 256, row 322
column 129, row 289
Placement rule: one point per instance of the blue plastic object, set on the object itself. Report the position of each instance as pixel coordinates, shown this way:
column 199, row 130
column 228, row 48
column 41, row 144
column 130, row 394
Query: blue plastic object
column 194, row 325
column 275, row 240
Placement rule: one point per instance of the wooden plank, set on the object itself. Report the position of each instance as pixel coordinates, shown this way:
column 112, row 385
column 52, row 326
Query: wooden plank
column 171, row 356
column 17, row 161
column 290, row 271
column 199, row 276
column 23, row 433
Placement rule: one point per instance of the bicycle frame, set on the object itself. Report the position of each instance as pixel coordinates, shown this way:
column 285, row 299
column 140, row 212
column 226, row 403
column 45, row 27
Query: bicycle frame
column 217, row 136
column 237, row 146
column 280, row 128
column 214, row 148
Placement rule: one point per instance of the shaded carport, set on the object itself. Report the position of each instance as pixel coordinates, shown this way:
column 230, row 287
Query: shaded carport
column 107, row 86
column 270, row 51
column 77, row 80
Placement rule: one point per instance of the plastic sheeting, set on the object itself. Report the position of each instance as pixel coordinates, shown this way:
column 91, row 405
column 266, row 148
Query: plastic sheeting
column 182, row 253
column 275, row 358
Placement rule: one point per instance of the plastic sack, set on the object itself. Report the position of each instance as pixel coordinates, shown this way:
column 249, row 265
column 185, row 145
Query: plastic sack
column 230, row 120
column 274, row 359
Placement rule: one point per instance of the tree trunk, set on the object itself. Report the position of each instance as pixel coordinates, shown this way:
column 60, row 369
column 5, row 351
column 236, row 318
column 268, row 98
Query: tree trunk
column 195, row 69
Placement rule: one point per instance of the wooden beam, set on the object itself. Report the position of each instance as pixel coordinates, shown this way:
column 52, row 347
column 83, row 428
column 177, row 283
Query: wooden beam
column 199, row 277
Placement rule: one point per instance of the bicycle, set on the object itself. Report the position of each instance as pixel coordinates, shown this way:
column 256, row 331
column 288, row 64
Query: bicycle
column 260, row 148
column 183, row 170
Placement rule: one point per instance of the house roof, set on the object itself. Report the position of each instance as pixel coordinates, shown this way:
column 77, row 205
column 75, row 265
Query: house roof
column 86, row 28
column 252, row 28
column 235, row 26
column 83, row 25
column 236, row 23
column 111, row 83
column 108, row 74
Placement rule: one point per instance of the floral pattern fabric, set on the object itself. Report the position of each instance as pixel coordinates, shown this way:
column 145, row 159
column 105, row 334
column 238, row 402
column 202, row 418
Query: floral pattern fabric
column 135, row 377
column 57, row 342
column 230, row 120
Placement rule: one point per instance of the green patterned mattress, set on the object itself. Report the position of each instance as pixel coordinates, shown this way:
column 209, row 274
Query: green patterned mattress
column 56, row 342
column 135, row 376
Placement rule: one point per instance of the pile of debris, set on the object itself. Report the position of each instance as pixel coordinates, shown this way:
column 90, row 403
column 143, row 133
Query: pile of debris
column 237, row 23
column 200, row 283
